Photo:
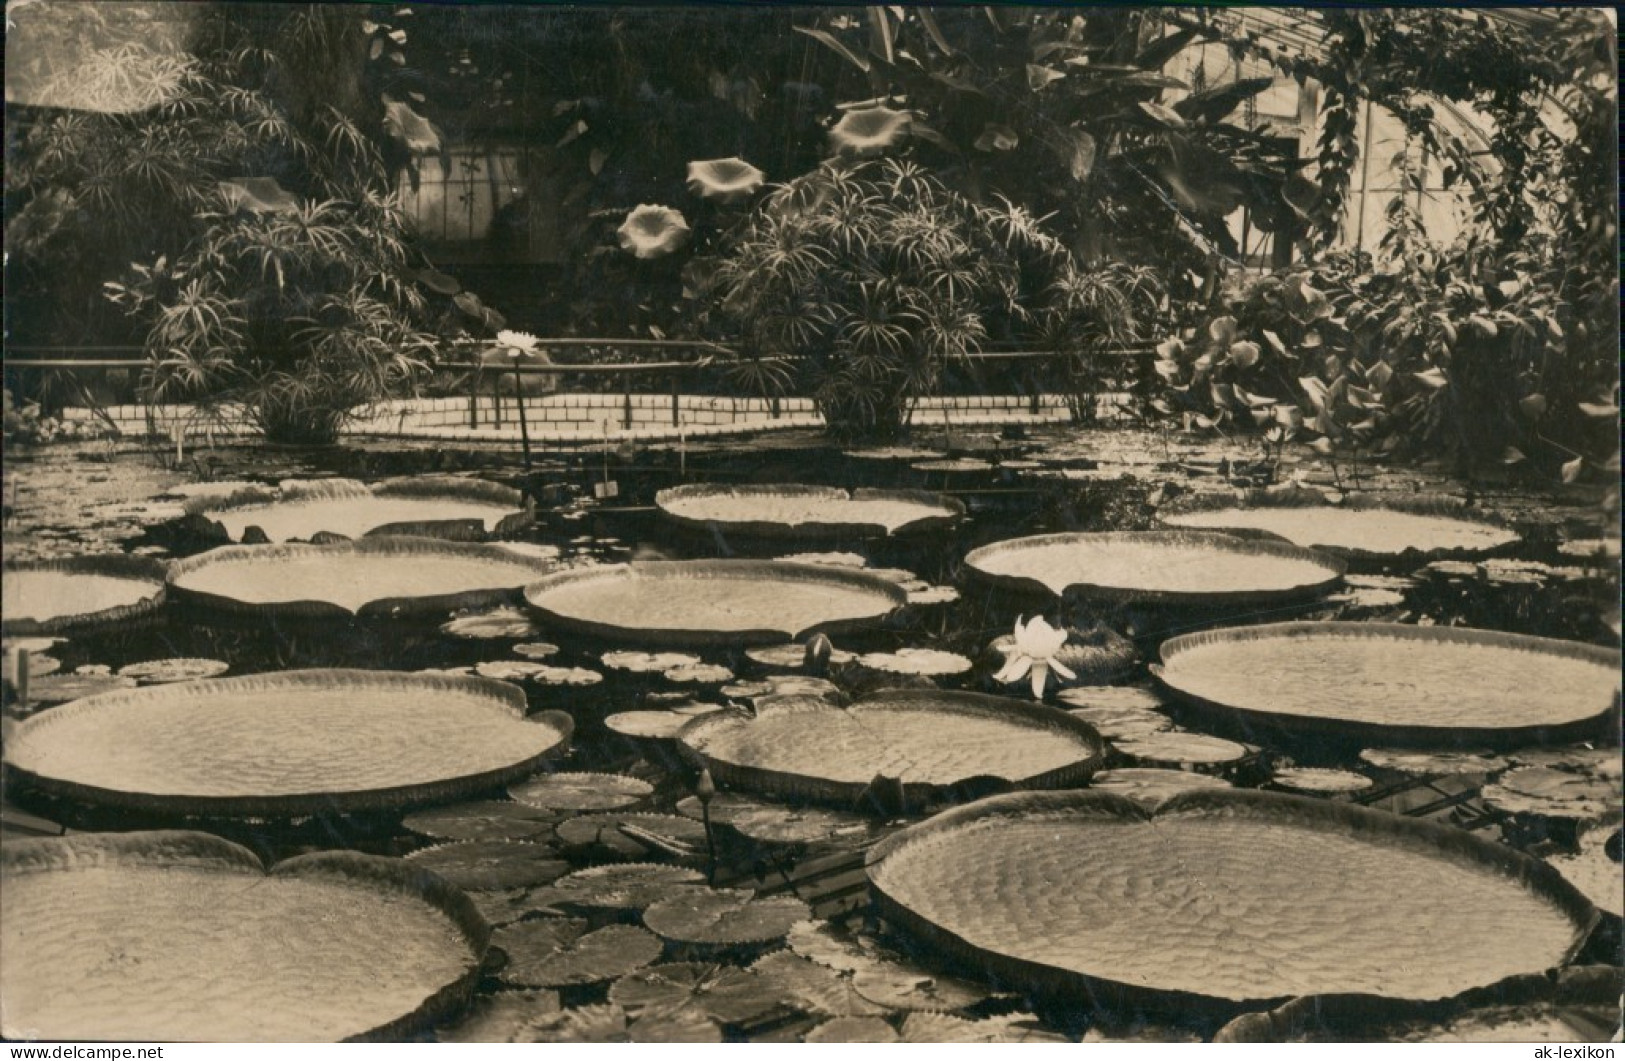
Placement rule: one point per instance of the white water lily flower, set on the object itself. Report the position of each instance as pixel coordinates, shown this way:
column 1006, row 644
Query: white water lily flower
column 1036, row 644
column 517, row 343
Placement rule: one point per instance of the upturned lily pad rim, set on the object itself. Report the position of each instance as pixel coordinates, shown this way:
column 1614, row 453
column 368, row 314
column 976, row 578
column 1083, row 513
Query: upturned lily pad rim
column 1332, row 569
column 1289, row 721
column 796, row 787
column 204, row 851
column 399, row 797
column 1439, row 505
column 452, row 487
column 1422, row 836
column 940, row 510
column 700, row 637
column 142, row 569
column 384, row 546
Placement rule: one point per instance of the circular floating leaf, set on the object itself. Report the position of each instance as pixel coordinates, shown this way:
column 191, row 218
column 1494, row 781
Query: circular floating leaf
column 566, row 676
column 55, row 596
column 830, row 559
column 926, row 661
column 1548, row 793
column 497, row 624
column 1321, row 782
column 286, row 744
column 777, row 823
column 1439, row 684
column 657, row 725
column 559, row 952
column 1362, row 532
column 1599, row 762
column 503, row 1017
column 581, row 791
column 1432, row 763
column 801, row 685
column 725, row 994
column 824, row 943
column 894, row 453
column 636, row 836
column 792, row 654
column 431, row 506
column 700, row 673
column 1174, row 567
column 1183, row 748
column 1105, row 697
column 794, row 510
column 647, row 662
column 625, row 886
column 491, row 865
column 904, row 985
column 181, row 936
column 927, row 594
column 724, row 917
column 705, row 602
column 514, row 904
column 610, row 1024
column 482, row 820
column 1150, row 786
column 509, row 670
column 1118, row 724
column 536, row 650
column 158, row 671
column 852, row 1030
column 1266, row 917
column 812, row 987
column 952, row 465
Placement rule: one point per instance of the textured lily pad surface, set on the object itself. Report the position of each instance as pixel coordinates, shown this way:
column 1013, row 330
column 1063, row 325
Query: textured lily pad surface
column 397, row 574
column 804, row 747
column 182, row 936
column 1172, row 566
column 698, row 602
column 581, row 791
column 724, row 916
column 490, row 865
column 1232, row 895
column 295, row 742
column 48, row 596
column 1367, row 531
column 1396, row 680
column 463, row 508
column 795, row 510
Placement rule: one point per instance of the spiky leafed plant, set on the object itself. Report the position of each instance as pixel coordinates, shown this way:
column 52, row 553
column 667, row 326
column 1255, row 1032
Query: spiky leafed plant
column 857, row 283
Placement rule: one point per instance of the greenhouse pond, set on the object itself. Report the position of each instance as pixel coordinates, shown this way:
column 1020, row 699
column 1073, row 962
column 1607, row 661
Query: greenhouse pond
column 476, row 734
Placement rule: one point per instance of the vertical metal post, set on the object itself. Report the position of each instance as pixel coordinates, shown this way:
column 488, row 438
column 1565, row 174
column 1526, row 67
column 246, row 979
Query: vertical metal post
column 626, row 400
column 676, row 383
column 524, row 426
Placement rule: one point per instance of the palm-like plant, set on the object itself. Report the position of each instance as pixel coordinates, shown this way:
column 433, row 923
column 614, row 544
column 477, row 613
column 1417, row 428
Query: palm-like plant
column 858, row 282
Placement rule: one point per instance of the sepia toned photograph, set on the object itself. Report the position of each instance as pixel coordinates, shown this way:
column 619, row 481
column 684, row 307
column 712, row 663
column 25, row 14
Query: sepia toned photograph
column 729, row 523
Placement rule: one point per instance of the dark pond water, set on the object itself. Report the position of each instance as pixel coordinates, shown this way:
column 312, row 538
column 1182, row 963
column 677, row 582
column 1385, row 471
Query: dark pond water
column 91, row 499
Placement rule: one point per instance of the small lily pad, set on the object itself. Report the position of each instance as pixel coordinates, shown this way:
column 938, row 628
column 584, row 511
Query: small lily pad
column 1119, row 724
column 530, row 550
column 835, row 947
column 566, row 676
column 536, row 650
column 904, row 985
column 700, row 673
column 1152, row 786
column 778, row 823
column 158, row 671
column 1598, row 762
column 1547, row 793
column 1320, row 781
column 496, row 624
column 746, row 690
column 558, row 952
column 723, row 993
column 924, row 661
column 636, row 836
column 1127, row 697
column 928, row 594
column 1429, row 763
column 793, row 655
column 625, row 886
column 611, row 1024
column 724, row 917
column 515, row 904
column 647, row 662
column 1195, row 749
column 503, row 1017
column 581, row 791
column 852, row 1030
column 656, row 725
column 511, row 670
column 827, row 559
column 812, row 987
column 491, row 865
column 480, row 820
column 801, row 685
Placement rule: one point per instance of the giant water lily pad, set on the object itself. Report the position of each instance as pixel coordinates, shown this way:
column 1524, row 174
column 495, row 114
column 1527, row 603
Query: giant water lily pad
column 1227, row 896
column 1361, row 529
column 1391, row 683
column 181, row 936
column 376, row 576
column 709, row 602
column 291, row 743
column 424, row 506
column 53, row 596
column 1173, row 567
column 794, row 510
column 927, row 740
